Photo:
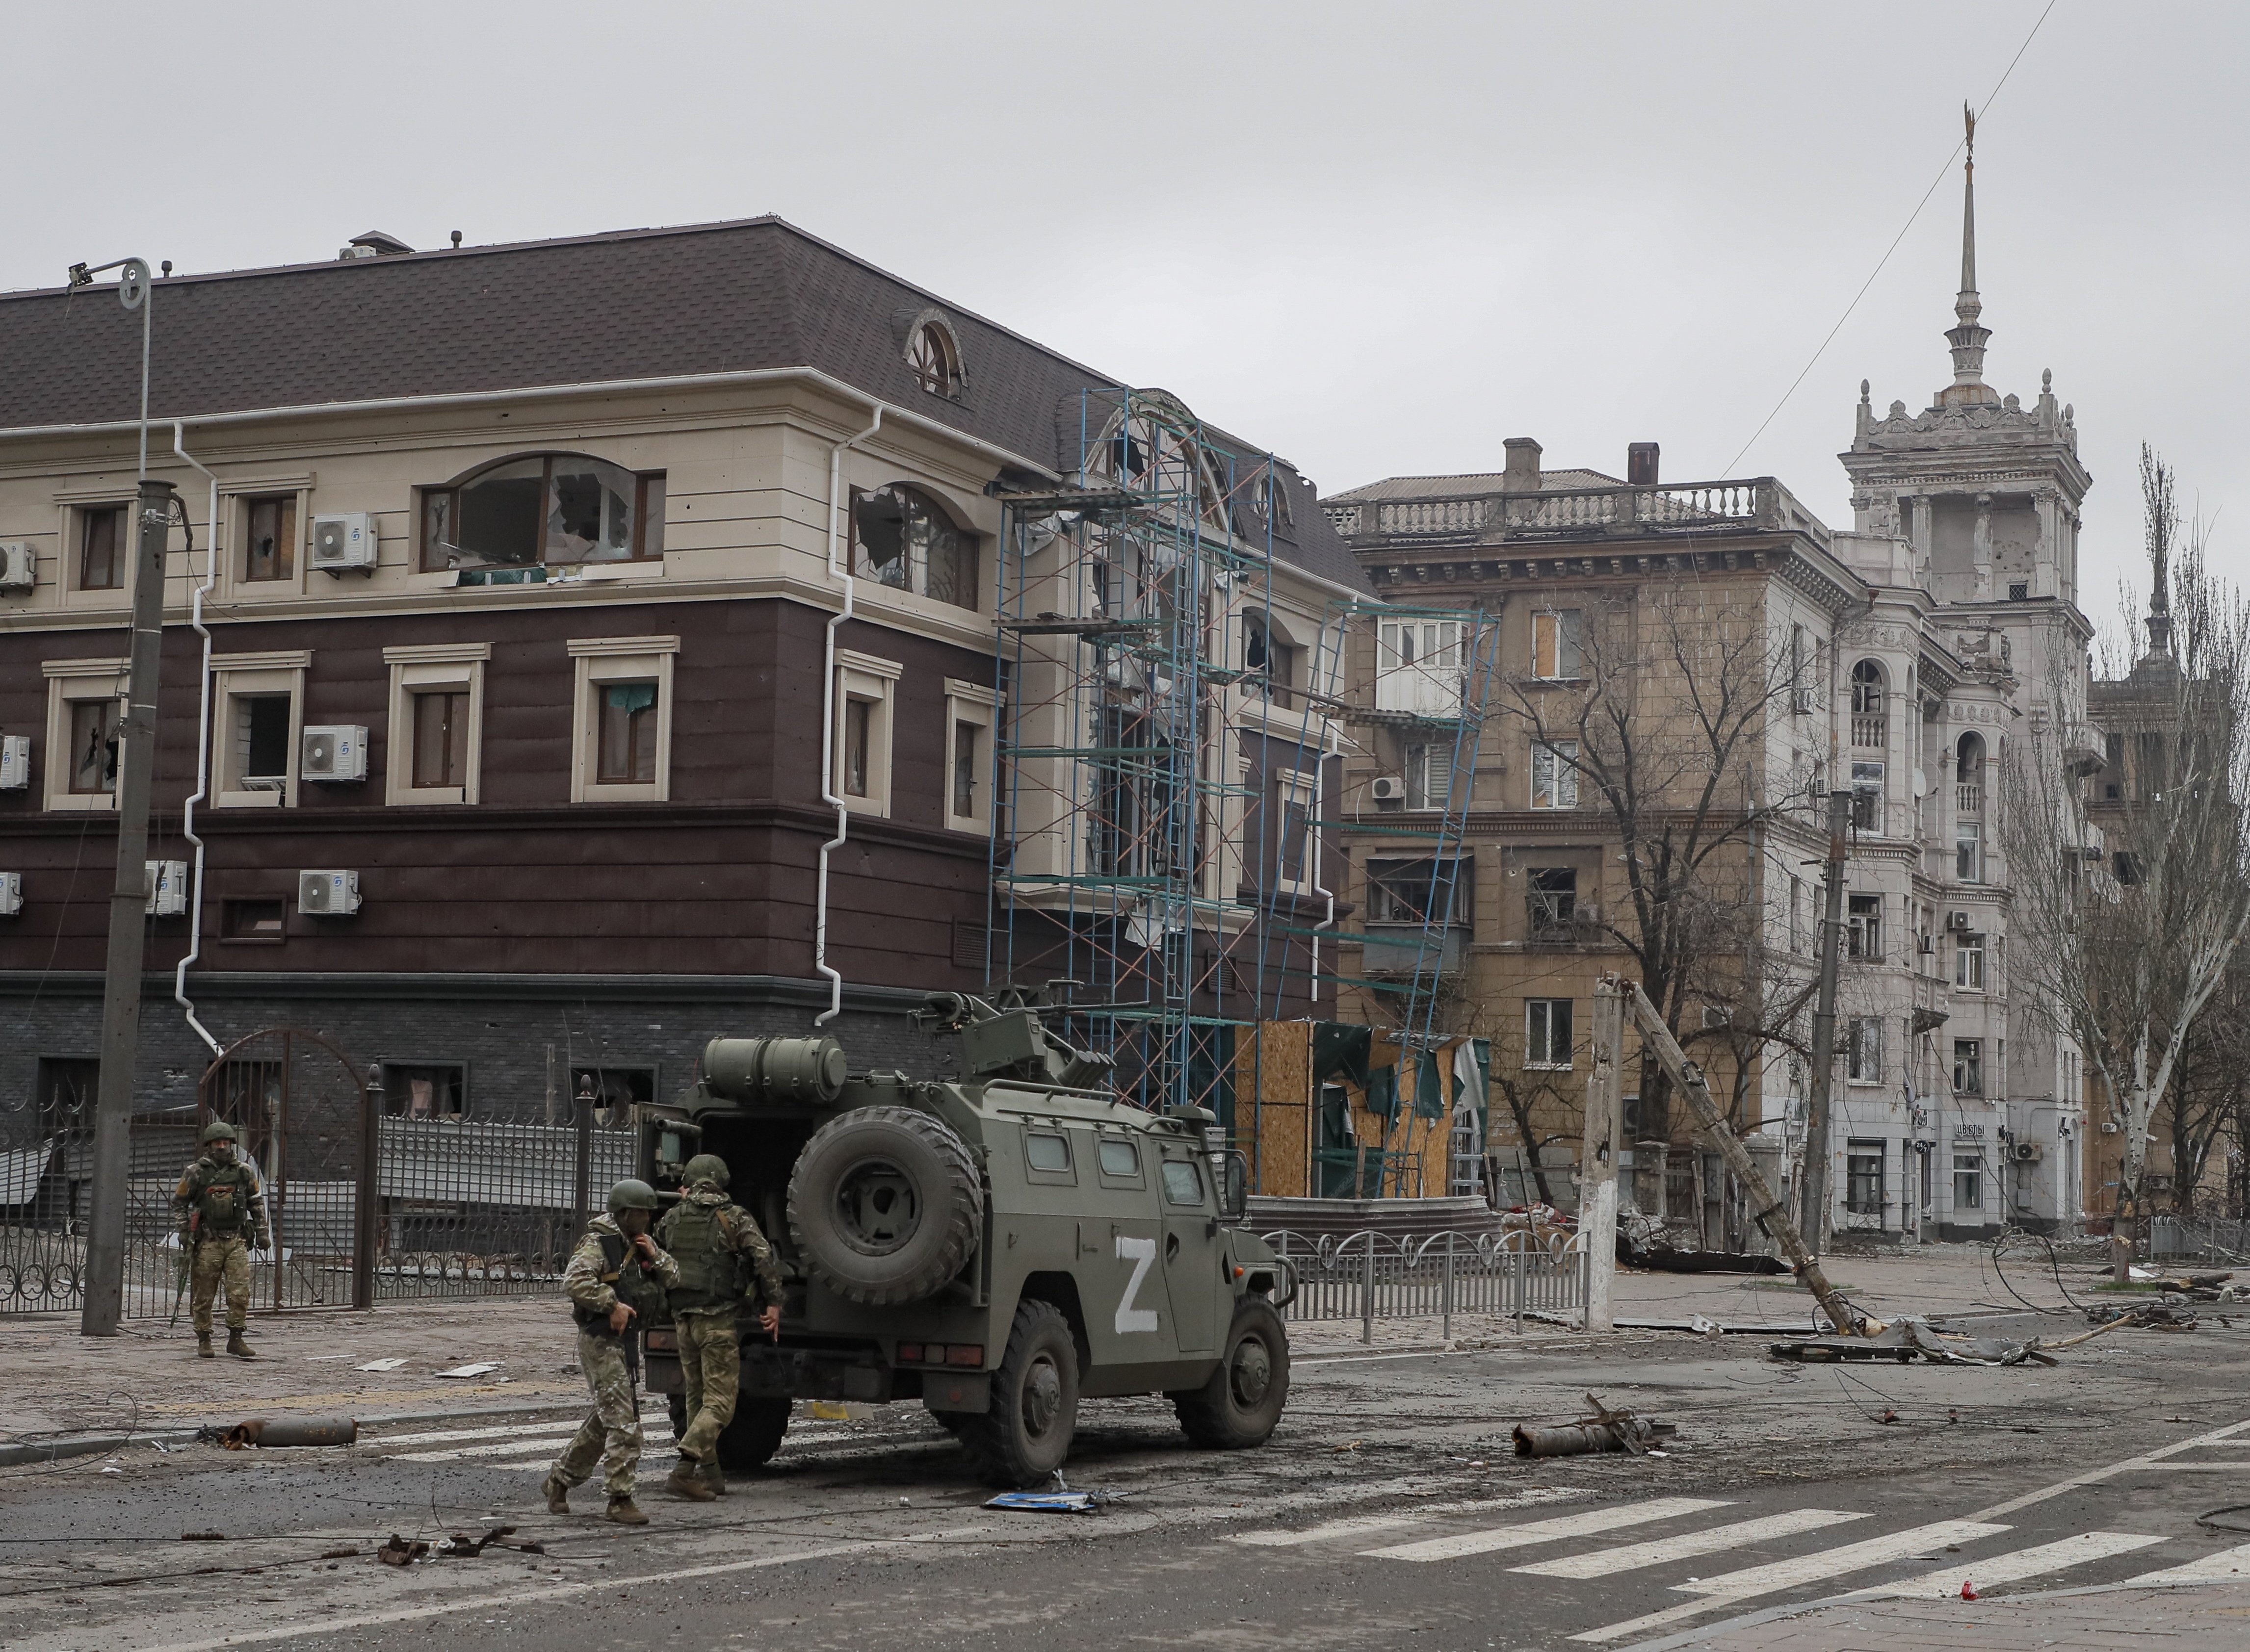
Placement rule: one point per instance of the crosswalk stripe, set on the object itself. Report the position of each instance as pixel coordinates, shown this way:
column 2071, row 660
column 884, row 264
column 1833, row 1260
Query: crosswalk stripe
column 1601, row 1563
column 1362, row 1524
column 1752, row 1581
column 1567, row 1525
column 2087, row 1547
column 498, row 1449
column 2212, row 1568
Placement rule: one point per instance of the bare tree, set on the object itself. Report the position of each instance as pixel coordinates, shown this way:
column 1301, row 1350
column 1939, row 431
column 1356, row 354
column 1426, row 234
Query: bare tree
column 2212, row 1089
column 1662, row 729
column 2126, row 959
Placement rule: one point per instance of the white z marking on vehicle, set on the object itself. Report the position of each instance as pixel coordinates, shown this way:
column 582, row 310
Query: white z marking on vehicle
column 1141, row 1253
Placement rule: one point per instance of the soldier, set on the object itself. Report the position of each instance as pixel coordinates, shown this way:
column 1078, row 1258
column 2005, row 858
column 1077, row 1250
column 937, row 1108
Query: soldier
column 616, row 1275
column 715, row 1241
column 217, row 1202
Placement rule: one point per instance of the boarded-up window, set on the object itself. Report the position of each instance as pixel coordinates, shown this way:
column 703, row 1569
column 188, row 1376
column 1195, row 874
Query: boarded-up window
column 1558, row 644
column 270, row 548
column 441, row 738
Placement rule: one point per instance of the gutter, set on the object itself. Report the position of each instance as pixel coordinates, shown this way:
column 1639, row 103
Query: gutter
column 203, row 746
column 840, row 571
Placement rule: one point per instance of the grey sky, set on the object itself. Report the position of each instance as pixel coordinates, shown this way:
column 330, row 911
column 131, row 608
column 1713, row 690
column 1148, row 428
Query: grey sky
column 1379, row 237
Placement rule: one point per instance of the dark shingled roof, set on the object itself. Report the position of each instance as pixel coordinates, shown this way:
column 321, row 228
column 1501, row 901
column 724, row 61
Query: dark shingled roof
column 628, row 305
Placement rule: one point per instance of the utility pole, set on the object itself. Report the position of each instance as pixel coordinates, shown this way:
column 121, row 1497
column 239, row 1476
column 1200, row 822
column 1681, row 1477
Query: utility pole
column 1597, row 1157
column 1813, row 1203
column 103, row 1304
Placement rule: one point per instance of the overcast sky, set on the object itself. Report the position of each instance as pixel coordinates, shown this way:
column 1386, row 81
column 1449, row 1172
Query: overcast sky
column 1378, row 238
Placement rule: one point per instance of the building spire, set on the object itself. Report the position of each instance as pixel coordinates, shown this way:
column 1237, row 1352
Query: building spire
column 1966, row 337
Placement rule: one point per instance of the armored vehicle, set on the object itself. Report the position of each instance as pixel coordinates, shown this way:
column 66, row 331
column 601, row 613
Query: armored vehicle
column 999, row 1246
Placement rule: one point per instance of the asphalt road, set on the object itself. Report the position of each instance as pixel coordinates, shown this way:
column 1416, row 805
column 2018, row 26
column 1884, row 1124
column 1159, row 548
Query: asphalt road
column 1387, row 1512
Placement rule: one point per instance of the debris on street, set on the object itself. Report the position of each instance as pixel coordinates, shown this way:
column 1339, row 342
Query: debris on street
column 399, row 1551
column 381, row 1365
column 1047, row 1502
column 461, row 1546
column 1905, row 1340
column 476, row 1368
column 1606, row 1430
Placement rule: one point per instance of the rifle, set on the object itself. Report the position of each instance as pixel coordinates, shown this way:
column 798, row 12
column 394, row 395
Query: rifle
column 187, row 1264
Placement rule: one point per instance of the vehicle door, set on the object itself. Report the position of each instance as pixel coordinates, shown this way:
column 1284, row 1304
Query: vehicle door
column 1191, row 1245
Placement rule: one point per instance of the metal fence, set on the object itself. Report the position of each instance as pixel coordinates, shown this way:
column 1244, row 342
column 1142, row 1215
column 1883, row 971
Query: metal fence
column 1369, row 1277
column 2216, row 1239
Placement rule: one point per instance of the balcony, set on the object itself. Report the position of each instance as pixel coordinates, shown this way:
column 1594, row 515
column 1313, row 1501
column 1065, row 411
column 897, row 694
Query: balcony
column 1870, row 730
column 1402, row 952
column 1968, row 798
column 1750, row 504
column 2085, row 747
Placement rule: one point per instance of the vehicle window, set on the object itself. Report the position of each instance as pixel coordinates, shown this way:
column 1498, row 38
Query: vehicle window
column 1119, row 1157
column 1183, row 1181
column 1046, row 1153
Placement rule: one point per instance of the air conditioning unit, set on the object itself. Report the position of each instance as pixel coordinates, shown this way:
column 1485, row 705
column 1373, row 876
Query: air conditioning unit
column 168, row 888
column 11, row 893
column 1957, row 923
column 344, row 544
column 2027, row 1152
column 16, row 566
column 328, row 894
column 1389, row 789
column 1800, row 700
column 334, row 751
column 14, row 762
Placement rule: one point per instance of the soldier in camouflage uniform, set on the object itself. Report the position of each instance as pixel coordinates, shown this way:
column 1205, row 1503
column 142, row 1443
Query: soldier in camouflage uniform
column 617, row 1275
column 725, row 1264
column 221, row 1212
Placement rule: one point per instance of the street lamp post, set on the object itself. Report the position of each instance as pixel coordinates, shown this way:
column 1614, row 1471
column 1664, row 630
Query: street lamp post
column 102, row 1302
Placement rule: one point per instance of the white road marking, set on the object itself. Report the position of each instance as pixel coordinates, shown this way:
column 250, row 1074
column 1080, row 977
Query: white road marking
column 1945, row 1583
column 1753, row 1581
column 1366, row 1523
column 1601, row 1563
column 481, row 1602
column 2212, row 1568
column 1534, row 1531
column 497, row 1449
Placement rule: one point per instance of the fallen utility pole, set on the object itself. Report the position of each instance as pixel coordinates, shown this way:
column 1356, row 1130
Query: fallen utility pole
column 1812, row 1206
column 1766, row 1209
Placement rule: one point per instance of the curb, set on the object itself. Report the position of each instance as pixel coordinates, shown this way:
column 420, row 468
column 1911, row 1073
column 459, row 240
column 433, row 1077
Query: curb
column 81, row 1445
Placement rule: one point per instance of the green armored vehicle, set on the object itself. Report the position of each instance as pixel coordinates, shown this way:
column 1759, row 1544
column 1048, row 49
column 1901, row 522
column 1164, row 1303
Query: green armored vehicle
column 997, row 1246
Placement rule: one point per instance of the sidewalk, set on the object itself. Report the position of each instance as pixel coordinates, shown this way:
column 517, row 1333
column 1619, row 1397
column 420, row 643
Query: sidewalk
column 2215, row 1614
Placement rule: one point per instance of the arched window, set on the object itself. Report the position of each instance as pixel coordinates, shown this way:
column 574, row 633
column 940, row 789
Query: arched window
column 1970, row 770
column 901, row 537
column 1155, row 446
column 540, row 511
column 935, row 358
column 1870, row 716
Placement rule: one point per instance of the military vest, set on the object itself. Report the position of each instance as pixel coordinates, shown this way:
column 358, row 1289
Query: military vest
column 222, row 1200
column 622, row 1272
column 698, row 1238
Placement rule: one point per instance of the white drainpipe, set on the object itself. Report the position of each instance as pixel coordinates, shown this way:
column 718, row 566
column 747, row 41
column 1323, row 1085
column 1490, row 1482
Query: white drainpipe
column 203, row 745
column 840, row 570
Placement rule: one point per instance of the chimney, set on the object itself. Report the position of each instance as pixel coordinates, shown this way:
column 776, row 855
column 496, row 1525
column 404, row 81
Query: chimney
column 1522, row 473
column 1640, row 464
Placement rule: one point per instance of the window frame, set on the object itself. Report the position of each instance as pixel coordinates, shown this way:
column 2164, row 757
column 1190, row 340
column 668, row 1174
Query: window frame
column 1137, row 1177
column 231, row 911
column 650, row 493
column 120, row 549
column 1968, row 850
column 1561, row 784
column 1292, row 789
column 1048, row 1176
column 1539, row 1034
column 290, row 549
column 1969, row 1170
column 1863, row 1035
column 970, row 703
column 874, row 681
column 1969, row 1067
column 970, row 543
column 597, row 663
column 71, row 683
column 1863, row 928
column 1383, row 889
column 1559, row 643
column 1964, row 948
column 1550, row 907
column 1858, row 1153
column 1423, row 758
column 1867, row 794
column 241, row 677
column 440, row 667
column 404, row 1067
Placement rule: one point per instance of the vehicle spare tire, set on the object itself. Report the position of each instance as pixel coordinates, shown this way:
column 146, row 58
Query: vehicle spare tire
column 885, row 1205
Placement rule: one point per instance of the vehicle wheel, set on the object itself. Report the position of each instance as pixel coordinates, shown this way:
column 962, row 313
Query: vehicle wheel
column 676, row 1404
column 755, row 1435
column 1241, row 1403
column 1026, row 1435
column 885, row 1205
column 957, row 1423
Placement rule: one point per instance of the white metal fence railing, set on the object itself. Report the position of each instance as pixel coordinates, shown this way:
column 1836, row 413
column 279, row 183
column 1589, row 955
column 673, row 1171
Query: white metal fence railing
column 1369, row 1277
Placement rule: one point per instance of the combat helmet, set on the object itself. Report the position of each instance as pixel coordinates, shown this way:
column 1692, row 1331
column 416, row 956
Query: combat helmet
column 705, row 1167
column 632, row 1194
column 218, row 1129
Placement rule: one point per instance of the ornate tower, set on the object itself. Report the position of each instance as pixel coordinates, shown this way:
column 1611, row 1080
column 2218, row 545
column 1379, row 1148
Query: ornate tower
column 1985, row 490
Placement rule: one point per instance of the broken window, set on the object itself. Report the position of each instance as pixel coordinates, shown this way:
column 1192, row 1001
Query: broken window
column 1417, row 891
column 269, row 550
column 625, row 738
column 441, row 738
column 935, row 359
column 1968, row 1067
column 1554, row 774
column 424, row 1089
column 1863, row 1178
column 261, row 740
column 555, row 510
column 1557, row 644
column 901, row 537
column 101, row 549
column 265, row 920
column 1867, row 928
column 1552, row 898
column 1867, row 797
column 1863, row 1063
column 94, row 745
column 1547, row 1033
column 1270, row 661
